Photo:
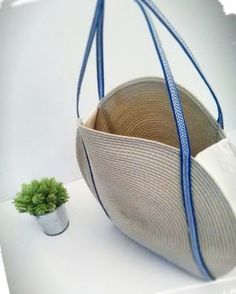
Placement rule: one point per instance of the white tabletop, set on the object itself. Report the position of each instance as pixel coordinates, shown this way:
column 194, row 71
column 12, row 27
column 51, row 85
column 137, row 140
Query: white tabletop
column 92, row 256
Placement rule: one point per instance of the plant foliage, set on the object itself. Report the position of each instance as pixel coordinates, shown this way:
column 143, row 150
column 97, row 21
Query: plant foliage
column 41, row 197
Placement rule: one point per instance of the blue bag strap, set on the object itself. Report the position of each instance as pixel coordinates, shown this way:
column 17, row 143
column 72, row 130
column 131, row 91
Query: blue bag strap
column 96, row 28
column 185, row 149
column 100, row 54
column 162, row 18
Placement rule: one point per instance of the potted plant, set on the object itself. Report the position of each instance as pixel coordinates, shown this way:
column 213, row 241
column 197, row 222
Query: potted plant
column 45, row 199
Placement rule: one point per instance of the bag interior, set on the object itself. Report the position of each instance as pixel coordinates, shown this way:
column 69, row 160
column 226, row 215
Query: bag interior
column 142, row 109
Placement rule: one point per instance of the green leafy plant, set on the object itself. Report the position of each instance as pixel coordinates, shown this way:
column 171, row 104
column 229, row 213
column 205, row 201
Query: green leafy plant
column 41, row 197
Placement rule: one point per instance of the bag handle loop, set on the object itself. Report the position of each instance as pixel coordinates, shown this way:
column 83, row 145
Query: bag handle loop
column 166, row 23
column 97, row 28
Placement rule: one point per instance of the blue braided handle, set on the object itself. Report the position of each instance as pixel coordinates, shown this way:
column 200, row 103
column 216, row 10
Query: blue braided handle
column 185, row 148
column 156, row 11
column 97, row 28
column 100, row 54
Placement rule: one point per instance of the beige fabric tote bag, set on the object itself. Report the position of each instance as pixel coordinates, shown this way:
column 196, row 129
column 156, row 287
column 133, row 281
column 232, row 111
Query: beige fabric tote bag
column 136, row 153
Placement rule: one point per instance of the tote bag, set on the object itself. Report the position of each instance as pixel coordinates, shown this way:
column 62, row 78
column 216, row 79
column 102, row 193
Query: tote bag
column 137, row 154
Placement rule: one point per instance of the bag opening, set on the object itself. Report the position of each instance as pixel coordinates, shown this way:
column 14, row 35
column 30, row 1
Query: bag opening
column 141, row 108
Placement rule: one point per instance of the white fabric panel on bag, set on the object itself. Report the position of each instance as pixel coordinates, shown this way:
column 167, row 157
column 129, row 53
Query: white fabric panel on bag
column 219, row 160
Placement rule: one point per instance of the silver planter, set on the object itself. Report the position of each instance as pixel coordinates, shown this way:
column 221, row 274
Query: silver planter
column 54, row 223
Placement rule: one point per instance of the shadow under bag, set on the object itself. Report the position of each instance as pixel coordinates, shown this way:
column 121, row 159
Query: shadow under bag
column 137, row 154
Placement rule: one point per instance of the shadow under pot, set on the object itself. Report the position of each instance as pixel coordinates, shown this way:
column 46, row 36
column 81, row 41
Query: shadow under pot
column 54, row 223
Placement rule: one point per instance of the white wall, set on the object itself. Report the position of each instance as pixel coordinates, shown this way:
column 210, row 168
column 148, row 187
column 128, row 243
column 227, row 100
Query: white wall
column 40, row 54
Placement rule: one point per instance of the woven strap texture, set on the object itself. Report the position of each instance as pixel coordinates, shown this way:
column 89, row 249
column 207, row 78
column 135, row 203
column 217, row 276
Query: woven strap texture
column 175, row 101
column 185, row 150
column 188, row 52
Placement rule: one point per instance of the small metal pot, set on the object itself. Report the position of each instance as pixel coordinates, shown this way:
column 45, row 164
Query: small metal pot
column 54, row 223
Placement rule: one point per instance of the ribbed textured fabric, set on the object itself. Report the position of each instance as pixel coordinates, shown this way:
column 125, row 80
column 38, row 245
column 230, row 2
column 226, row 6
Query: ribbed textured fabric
column 133, row 149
